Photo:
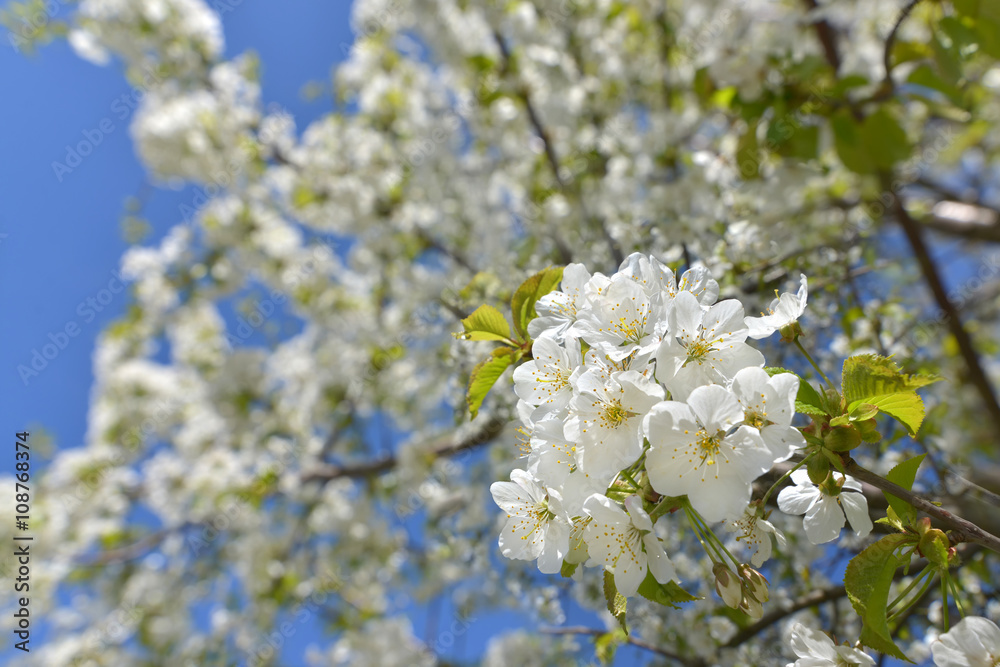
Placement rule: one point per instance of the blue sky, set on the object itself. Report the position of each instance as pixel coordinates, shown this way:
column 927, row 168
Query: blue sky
column 61, row 238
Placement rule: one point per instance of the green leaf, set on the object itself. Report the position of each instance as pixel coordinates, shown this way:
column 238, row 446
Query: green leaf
column 886, row 140
column 668, row 594
column 903, row 474
column 877, row 142
column 907, row 407
column 522, row 304
column 568, row 569
column 606, row 645
column 868, row 375
column 867, row 579
column 485, row 323
column 862, row 412
column 849, row 144
column 776, row 370
column 485, row 375
column 748, row 153
column 616, row 601
column 808, row 400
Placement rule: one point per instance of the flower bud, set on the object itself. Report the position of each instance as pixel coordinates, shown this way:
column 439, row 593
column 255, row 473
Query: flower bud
column 869, row 430
column 752, row 608
column 842, row 438
column 756, row 584
column 727, row 585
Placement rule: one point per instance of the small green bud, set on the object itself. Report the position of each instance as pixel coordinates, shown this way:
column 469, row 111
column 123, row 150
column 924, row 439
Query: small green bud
column 842, row 438
column 818, row 468
column 868, row 430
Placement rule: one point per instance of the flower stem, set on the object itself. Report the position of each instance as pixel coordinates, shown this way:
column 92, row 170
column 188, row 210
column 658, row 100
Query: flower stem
column 711, row 536
column 814, row 364
column 944, row 600
column 631, row 480
column 954, row 591
column 909, row 587
column 710, row 548
column 788, row 474
column 923, row 589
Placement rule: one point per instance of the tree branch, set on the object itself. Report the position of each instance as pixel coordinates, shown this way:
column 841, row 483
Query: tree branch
column 445, row 447
column 553, row 159
column 595, row 632
column 891, row 39
column 827, row 38
column 811, row 599
column 915, row 237
column 963, row 530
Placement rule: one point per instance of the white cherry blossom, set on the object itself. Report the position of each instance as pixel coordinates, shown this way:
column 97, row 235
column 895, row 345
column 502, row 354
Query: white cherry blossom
column 972, row 642
column 606, row 420
column 755, row 532
column 544, row 381
column 703, row 346
column 824, row 514
column 557, row 310
column 536, row 525
column 816, row 649
column 699, row 449
column 625, row 543
column 769, row 405
column 784, row 310
column 622, row 321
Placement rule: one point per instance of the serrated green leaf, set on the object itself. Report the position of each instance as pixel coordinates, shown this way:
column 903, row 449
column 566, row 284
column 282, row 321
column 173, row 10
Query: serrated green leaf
column 903, row 474
column 808, row 400
column 616, row 601
column 841, row 420
column 868, row 579
column 776, row 370
column 485, row 375
column 907, row 407
column 568, row 569
column 808, row 409
column 485, row 323
column 522, row 304
column 866, row 375
column 668, row 594
column 606, row 645
column 863, row 412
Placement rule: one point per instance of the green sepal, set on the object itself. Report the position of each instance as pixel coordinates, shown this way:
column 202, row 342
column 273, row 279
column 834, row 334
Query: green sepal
column 668, row 594
column 616, row 601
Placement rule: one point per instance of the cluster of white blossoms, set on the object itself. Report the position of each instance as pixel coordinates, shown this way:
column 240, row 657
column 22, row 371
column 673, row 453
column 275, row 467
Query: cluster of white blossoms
column 643, row 387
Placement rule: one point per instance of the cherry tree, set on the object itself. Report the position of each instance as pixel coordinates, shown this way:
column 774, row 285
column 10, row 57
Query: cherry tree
column 650, row 291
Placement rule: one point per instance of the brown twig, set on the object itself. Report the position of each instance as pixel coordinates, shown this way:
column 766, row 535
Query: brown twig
column 595, row 632
column 914, row 235
column 443, row 448
column 962, row 530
